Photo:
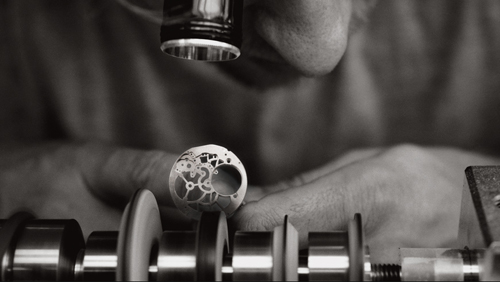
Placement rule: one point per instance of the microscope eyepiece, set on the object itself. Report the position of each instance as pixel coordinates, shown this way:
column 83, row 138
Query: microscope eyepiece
column 204, row 30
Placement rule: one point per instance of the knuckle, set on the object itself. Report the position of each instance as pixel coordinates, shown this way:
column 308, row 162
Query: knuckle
column 407, row 157
column 295, row 181
column 405, row 151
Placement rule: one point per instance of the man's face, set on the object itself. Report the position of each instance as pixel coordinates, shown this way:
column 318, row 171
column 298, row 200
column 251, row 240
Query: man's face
column 286, row 39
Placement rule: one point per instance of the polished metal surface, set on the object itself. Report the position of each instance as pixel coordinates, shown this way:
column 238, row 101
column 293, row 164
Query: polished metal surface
column 441, row 264
column 473, row 260
column 253, row 256
column 42, row 253
column 303, row 270
column 212, row 243
column 54, row 250
column 227, row 267
column 208, row 178
column 328, row 256
column 9, row 234
column 200, row 49
column 99, row 259
column 138, row 238
column 287, row 238
column 339, row 256
column 177, row 256
column 203, row 255
column 47, row 250
column 206, row 30
column 357, row 256
column 270, row 256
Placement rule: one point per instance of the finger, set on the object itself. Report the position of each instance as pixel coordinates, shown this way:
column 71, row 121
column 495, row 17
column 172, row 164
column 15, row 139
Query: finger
column 254, row 193
column 351, row 157
column 113, row 174
column 310, row 176
column 325, row 204
column 328, row 203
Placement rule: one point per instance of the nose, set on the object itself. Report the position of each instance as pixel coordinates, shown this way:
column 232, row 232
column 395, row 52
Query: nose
column 309, row 35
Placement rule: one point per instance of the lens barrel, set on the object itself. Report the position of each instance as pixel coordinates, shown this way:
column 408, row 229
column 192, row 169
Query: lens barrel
column 205, row 30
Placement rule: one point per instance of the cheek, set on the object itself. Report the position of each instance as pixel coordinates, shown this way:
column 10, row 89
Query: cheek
column 311, row 36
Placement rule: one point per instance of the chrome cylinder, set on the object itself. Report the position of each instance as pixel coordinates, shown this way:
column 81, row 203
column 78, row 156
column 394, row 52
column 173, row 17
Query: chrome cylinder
column 227, row 267
column 9, row 234
column 328, row 257
column 47, row 250
column 253, row 256
column 473, row 261
column 303, row 269
column 206, row 30
column 99, row 260
column 440, row 264
column 268, row 256
column 177, row 256
column 211, row 246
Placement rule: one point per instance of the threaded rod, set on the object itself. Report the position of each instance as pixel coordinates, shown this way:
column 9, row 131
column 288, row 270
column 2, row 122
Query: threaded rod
column 386, row 272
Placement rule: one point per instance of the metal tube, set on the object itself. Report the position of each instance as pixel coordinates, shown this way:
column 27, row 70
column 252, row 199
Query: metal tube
column 253, row 256
column 47, row 250
column 328, row 256
column 439, row 264
column 177, row 256
column 10, row 231
column 206, row 30
column 99, row 260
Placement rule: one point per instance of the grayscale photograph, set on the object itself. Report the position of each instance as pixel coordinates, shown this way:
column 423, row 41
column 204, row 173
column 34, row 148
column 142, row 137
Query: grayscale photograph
column 250, row 140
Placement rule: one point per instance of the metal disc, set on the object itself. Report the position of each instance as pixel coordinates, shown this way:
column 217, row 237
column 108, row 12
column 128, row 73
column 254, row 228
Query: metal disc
column 290, row 252
column 211, row 244
column 278, row 253
column 356, row 249
column 285, row 252
column 140, row 231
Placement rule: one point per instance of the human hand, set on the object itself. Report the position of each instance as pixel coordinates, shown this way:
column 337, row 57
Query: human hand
column 408, row 196
column 90, row 183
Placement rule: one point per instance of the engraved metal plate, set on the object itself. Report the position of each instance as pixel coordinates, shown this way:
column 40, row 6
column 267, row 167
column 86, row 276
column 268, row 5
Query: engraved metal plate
column 207, row 178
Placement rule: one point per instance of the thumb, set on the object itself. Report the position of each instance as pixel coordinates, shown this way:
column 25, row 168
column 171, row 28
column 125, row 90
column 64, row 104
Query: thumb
column 325, row 204
column 270, row 212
